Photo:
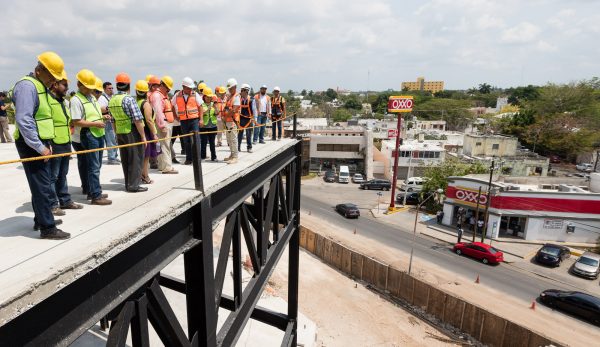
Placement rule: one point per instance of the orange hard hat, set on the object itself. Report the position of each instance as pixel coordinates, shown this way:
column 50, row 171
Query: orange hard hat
column 123, row 78
column 153, row 80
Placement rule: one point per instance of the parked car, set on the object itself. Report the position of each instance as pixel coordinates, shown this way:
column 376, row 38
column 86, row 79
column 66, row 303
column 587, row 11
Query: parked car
column 576, row 303
column 588, row 265
column 329, row 176
column 413, row 184
column 481, row 251
column 348, row 210
column 412, row 198
column 376, row 184
column 344, row 175
column 552, row 255
column 586, row 167
column 554, row 159
column 358, row 178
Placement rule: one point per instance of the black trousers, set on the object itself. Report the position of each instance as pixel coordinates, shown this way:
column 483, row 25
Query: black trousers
column 210, row 140
column 132, row 159
column 38, row 177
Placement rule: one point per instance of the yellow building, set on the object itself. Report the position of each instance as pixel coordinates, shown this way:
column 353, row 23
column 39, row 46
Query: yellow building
column 420, row 84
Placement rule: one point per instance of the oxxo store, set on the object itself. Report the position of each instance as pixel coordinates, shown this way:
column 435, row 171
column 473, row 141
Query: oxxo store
column 525, row 212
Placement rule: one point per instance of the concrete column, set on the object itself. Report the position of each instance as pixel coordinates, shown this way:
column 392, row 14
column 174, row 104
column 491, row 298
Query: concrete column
column 368, row 154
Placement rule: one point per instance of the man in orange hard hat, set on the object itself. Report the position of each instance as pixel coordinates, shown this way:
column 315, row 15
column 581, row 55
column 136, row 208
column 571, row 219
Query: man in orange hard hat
column 127, row 114
column 163, row 109
column 33, row 133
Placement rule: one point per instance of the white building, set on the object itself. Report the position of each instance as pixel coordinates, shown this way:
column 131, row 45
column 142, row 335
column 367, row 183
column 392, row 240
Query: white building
column 546, row 212
column 414, row 156
column 306, row 104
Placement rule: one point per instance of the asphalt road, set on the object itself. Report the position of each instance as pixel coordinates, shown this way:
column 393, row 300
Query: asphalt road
column 502, row 277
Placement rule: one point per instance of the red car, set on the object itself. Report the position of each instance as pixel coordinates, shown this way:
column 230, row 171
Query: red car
column 484, row 252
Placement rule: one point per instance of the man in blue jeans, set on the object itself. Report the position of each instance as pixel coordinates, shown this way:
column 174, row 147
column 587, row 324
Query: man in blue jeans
column 109, row 131
column 277, row 113
column 263, row 106
column 247, row 112
column 34, row 130
column 89, row 126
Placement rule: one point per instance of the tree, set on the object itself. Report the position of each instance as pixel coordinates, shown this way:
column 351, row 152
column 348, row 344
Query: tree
column 341, row 115
column 521, row 94
column 454, row 112
column 290, row 93
column 303, row 92
column 353, row 103
column 310, row 94
column 331, row 94
column 484, row 88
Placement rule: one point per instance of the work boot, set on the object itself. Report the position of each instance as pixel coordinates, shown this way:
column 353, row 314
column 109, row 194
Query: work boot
column 36, row 226
column 174, row 161
column 101, row 201
column 103, row 196
column 227, row 158
column 154, row 166
column 249, row 150
column 55, row 234
column 58, row 212
column 187, row 162
column 232, row 160
column 72, row 206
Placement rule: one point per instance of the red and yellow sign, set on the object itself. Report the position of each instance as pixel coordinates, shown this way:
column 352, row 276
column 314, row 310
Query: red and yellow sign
column 402, row 103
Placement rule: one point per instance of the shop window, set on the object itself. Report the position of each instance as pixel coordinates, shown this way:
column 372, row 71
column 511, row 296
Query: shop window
column 495, row 146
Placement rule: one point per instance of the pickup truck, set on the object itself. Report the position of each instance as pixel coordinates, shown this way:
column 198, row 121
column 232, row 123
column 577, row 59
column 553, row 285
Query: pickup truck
column 584, row 167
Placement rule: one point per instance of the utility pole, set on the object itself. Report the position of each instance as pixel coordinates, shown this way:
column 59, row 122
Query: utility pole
column 487, row 203
column 395, row 169
column 477, row 214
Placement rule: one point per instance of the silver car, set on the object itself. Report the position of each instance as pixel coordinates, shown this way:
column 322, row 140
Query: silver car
column 588, row 265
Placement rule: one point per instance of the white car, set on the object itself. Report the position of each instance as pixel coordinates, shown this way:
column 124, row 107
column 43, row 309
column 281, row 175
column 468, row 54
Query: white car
column 413, row 184
column 584, row 167
column 358, row 178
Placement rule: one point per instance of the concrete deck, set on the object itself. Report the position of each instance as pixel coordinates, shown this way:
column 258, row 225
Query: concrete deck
column 31, row 269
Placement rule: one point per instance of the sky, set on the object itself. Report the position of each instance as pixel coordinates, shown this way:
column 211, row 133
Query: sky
column 310, row 44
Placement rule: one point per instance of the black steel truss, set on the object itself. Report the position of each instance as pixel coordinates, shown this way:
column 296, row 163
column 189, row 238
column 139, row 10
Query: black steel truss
column 262, row 208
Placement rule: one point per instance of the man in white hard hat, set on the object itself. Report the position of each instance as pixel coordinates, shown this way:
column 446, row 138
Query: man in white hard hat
column 247, row 115
column 187, row 104
column 277, row 113
column 231, row 115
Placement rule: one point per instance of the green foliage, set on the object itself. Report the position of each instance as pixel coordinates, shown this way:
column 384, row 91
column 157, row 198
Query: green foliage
column 341, row 115
column 352, row 102
column 485, row 88
column 454, row 112
column 438, row 174
column 522, row 94
column 331, row 94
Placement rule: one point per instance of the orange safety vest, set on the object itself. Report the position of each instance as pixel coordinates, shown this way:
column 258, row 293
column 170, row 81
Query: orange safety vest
column 276, row 106
column 248, row 107
column 230, row 115
column 220, row 106
column 187, row 110
column 257, row 98
column 167, row 107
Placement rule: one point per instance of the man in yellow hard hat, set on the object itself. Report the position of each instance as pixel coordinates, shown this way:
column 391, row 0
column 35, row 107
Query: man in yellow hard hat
column 129, row 124
column 220, row 104
column 34, row 131
column 88, row 134
column 163, row 111
column 61, row 143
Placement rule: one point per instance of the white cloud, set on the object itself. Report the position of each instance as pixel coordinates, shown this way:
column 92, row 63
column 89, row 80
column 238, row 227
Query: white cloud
column 524, row 32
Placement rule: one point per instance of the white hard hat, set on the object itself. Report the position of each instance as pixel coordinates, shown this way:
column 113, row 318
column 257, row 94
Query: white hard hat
column 245, row 86
column 263, row 86
column 188, row 82
column 231, row 83
column 276, row 89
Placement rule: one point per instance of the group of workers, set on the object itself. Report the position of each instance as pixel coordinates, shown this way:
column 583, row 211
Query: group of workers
column 94, row 117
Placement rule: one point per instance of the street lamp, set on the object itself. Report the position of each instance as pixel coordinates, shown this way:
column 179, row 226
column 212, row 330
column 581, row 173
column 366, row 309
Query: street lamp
column 412, row 246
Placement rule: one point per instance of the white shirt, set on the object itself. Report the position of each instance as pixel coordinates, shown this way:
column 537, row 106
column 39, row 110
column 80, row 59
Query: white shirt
column 77, row 113
column 263, row 103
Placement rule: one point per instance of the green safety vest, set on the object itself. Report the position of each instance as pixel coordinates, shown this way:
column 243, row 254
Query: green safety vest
column 209, row 118
column 62, row 118
column 91, row 111
column 122, row 120
column 43, row 116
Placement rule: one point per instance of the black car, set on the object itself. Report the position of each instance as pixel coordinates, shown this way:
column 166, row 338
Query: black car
column 552, row 255
column 576, row 303
column 376, row 184
column 348, row 210
column 412, row 198
column 329, row 176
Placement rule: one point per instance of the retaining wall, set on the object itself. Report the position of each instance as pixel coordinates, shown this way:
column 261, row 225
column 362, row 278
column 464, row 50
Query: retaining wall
column 484, row 326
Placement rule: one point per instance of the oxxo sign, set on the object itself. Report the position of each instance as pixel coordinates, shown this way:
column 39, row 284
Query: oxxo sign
column 402, row 103
column 392, row 133
column 470, row 196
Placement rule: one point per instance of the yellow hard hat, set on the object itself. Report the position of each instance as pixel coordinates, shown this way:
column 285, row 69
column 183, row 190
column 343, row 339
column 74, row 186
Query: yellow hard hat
column 168, row 81
column 148, row 77
column 221, row 90
column 201, row 86
column 63, row 76
column 99, row 85
column 87, row 78
column 53, row 63
column 141, row 86
column 208, row 92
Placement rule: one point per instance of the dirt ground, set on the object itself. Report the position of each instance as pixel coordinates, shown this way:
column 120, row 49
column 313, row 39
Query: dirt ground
column 348, row 314
column 543, row 320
